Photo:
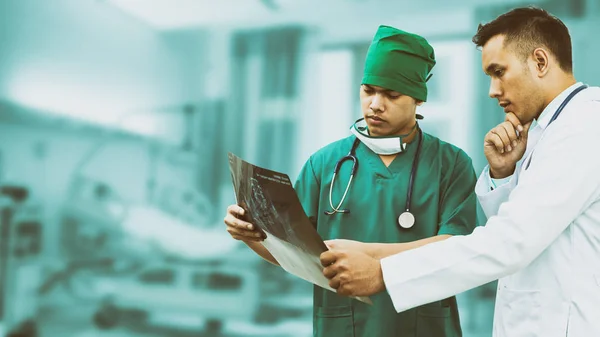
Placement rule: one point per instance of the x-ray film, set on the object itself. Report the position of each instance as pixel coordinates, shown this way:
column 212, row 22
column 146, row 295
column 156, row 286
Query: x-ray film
column 272, row 205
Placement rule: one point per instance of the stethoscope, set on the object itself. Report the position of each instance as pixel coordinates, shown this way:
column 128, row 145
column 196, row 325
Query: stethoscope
column 557, row 113
column 406, row 219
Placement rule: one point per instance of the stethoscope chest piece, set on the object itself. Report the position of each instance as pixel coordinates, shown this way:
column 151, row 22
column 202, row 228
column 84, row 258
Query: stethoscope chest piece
column 406, row 220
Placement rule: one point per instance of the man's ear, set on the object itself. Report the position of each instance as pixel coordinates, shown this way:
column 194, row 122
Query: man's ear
column 542, row 61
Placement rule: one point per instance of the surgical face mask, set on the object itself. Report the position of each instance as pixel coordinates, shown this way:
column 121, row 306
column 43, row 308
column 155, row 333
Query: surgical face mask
column 386, row 145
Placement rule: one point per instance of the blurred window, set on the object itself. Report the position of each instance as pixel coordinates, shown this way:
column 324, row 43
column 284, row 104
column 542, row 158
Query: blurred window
column 336, row 94
column 158, row 276
column 216, row 281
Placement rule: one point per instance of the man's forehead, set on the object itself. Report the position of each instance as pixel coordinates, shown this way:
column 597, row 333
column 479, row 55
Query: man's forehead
column 493, row 51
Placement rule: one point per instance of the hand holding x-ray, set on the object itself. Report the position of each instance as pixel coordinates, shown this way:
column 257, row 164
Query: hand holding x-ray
column 352, row 272
column 272, row 206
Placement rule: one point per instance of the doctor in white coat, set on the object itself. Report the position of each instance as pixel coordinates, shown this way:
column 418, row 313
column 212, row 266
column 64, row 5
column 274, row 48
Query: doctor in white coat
column 540, row 192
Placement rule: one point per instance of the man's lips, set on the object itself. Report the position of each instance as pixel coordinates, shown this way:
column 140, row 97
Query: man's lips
column 504, row 105
column 376, row 119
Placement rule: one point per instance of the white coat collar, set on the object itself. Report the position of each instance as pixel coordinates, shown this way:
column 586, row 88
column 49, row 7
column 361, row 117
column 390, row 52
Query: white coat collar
column 551, row 108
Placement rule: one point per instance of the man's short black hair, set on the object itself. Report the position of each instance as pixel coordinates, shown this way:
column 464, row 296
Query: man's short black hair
column 528, row 28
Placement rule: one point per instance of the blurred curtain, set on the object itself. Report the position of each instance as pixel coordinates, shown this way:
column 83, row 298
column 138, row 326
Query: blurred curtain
column 264, row 96
column 358, row 68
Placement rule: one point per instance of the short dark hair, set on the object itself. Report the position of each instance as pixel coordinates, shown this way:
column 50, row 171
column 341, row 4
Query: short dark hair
column 528, row 28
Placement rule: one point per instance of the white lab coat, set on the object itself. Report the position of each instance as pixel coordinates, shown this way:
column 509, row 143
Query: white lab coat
column 542, row 237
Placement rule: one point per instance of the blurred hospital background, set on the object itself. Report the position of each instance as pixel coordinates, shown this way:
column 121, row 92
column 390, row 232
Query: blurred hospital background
column 116, row 117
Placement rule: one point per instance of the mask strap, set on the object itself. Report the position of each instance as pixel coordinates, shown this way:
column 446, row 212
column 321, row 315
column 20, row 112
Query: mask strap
column 427, row 79
column 364, row 128
column 411, row 131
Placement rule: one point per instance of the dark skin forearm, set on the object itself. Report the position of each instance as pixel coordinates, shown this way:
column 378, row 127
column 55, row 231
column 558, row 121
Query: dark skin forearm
column 259, row 249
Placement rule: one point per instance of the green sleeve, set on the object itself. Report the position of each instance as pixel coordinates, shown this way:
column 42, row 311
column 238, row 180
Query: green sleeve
column 458, row 211
column 307, row 188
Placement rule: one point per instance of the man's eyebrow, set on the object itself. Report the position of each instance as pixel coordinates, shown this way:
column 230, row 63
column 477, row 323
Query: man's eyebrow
column 491, row 68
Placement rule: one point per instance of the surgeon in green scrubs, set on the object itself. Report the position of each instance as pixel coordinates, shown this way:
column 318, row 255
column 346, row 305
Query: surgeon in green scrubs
column 372, row 216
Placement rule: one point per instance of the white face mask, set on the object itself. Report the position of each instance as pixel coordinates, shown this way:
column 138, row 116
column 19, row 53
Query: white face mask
column 380, row 145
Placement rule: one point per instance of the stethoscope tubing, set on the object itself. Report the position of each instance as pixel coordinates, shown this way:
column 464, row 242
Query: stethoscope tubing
column 352, row 156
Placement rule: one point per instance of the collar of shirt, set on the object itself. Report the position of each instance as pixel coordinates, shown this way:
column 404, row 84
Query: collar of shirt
column 549, row 111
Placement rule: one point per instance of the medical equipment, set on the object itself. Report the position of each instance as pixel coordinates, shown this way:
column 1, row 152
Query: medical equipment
column 20, row 269
column 350, row 156
column 557, row 113
column 406, row 219
column 184, row 293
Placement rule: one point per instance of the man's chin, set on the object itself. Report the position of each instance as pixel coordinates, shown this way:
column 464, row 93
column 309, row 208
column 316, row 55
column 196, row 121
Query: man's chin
column 520, row 117
column 375, row 130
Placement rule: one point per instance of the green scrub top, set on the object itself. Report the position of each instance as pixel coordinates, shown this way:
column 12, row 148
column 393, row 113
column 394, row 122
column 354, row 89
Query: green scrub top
column 443, row 202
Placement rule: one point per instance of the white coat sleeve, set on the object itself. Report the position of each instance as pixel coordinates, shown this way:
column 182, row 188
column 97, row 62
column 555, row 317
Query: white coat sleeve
column 491, row 199
column 560, row 183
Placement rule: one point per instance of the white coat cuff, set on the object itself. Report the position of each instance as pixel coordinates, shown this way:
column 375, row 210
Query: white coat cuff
column 486, row 184
column 490, row 199
column 390, row 278
column 495, row 183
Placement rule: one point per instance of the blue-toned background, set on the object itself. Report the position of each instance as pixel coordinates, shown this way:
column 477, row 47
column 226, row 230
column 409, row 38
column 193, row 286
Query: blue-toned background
column 115, row 120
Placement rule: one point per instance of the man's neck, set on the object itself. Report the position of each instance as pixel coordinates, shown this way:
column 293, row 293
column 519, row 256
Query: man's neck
column 557, row 87
column 388, row 159
column 408, row 139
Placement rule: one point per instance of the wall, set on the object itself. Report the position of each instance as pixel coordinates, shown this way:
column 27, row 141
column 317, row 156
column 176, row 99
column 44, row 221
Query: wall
column 87, row 60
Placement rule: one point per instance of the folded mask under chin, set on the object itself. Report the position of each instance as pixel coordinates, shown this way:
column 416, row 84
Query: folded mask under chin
column 380, row 145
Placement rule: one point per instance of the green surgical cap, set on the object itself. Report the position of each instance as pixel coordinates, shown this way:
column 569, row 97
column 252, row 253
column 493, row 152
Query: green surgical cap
column 399, row 61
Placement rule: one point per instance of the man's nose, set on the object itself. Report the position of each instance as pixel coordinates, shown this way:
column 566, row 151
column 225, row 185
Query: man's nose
column 495, row 91
column 377, row 104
